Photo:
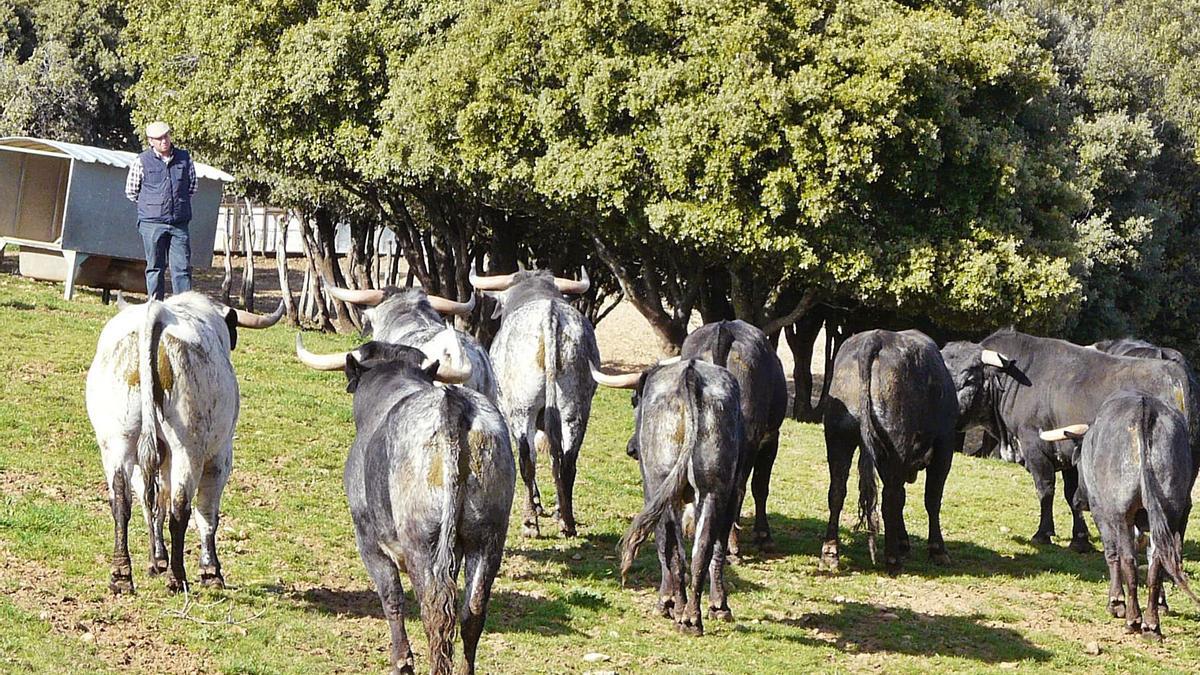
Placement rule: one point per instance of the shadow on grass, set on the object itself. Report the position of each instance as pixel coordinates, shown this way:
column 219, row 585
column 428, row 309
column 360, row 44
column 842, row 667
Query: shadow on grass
column 970, row 559
column 508, row 611
column 594, row 557
column 902, row 631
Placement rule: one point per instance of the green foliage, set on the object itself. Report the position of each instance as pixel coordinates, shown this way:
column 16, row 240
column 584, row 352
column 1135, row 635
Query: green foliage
column 1126, row 74
column 852, row 146
column 61, row 75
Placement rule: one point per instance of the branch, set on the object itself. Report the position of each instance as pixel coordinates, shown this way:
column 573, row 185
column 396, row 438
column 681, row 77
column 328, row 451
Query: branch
column 806, row 303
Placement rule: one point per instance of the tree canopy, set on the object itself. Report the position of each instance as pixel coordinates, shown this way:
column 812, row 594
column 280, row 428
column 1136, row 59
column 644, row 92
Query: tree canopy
column 962, row 164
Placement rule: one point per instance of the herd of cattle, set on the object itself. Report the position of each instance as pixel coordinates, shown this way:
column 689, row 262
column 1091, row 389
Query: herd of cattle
column 431, row 475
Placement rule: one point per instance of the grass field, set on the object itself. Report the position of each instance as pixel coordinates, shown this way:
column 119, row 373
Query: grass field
column 299, row 600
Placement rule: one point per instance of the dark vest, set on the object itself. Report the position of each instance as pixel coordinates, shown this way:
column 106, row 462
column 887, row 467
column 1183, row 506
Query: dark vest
column 164, row 195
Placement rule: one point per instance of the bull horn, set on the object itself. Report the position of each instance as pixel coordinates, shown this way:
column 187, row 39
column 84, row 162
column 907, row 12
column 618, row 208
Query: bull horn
column 1072, row 432
column 670, row 360
column 447, row 373
column 625, row 381
column 335, row 361
column 495, row 282
column 575, row 287
column 362, row 297
column 448, row 306
column 251, row 320
column 994, row 358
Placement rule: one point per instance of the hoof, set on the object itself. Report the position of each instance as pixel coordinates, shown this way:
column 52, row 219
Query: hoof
column 689, row 628
column 720, row 614
column 829, row 557
column 1041, row 538
column 1116, row 608
column 1135, row 627
column 1152, row 634
column 1082, row 545
column 666, row 608
column 121, row 585
column 568, row 532
column 158, row 567
column 894, row 566
column 404, row 666
column 530, row 529
column 212, row 581
column 939, row 556
column 176, row 585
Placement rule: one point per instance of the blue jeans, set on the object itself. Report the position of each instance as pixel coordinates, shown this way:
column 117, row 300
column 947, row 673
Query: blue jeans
column 166, row 245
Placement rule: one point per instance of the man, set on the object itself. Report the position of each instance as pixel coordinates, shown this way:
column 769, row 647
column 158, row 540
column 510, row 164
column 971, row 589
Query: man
column 161, row 182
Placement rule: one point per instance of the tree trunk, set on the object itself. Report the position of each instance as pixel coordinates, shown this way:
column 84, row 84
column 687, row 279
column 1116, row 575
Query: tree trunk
column 800, row 337
column 285, row 290
column 248, row 270
column 227, row 282
column 325, row 257
column 315, row 264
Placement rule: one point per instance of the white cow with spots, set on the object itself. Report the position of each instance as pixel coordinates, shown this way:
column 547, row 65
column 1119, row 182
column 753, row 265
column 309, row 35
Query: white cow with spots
column 163, row 400
column 543, row 354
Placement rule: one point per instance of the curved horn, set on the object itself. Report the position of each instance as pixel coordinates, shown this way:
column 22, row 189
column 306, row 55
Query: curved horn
column 1072, row 432
column 447, row 373
column 994, row 358
column 495, row 282
column 251, row 320
column 448, row 306
column 335, row 361
column 572, row 286
column 365, row 297
column 670, row 360
column 625, row 381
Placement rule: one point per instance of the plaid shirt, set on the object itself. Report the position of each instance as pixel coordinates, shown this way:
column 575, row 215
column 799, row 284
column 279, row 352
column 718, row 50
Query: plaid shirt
column 133, row 181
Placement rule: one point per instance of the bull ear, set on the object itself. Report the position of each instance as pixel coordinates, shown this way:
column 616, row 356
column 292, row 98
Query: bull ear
column 231, row 322
column 354, row 371
column 497, row 297
column 431, row 368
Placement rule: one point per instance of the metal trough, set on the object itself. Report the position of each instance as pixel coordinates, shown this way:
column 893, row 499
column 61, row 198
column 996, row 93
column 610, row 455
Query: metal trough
column 65, row 205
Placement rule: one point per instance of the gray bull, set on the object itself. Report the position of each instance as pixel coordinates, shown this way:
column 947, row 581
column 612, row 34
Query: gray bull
column 750, row 358
column 542, row 355
column 1135, row 466
column 690, row 449
column 892, row 395
column 430, row 481
column 411, row 317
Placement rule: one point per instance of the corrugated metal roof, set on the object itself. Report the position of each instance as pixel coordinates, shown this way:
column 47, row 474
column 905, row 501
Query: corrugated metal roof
column 87, row 153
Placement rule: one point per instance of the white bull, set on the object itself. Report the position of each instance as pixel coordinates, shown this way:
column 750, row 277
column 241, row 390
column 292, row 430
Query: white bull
column 163, row 400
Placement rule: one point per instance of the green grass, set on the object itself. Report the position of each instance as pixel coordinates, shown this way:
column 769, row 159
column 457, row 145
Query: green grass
column 299, row 599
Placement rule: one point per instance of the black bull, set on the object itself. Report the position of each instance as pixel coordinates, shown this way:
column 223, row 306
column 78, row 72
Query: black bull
column 1047, row 384
column 891, row 395
column 746, row 352
column 690, row 448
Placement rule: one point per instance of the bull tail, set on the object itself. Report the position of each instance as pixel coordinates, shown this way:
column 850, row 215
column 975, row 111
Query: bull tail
column 439, row 602
column 551, row 420
column 149, row 457
column 1167, row 549
column 671, row 490
column 874, row 440
column 722, row 345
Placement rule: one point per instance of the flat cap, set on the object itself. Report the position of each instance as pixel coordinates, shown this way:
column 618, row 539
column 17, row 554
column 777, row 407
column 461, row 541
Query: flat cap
column 157, row 129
